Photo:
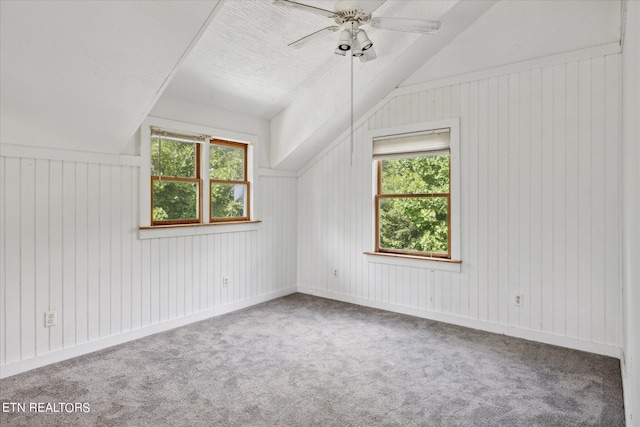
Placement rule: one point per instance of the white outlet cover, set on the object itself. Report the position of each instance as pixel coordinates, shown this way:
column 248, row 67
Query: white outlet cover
column 50, row 318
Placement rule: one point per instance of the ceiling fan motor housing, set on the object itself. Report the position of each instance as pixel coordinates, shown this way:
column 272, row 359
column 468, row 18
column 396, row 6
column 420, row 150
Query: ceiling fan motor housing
column 352, row 15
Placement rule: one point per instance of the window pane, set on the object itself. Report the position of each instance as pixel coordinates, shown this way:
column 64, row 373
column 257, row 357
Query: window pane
column 226, row 163
column 415, row 175
column 414, row 224
column 173, row 158
column 228, row 200
column 175, row 200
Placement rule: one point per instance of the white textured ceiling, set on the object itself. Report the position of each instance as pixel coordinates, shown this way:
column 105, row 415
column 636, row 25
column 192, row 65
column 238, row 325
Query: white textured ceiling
column 242, row 63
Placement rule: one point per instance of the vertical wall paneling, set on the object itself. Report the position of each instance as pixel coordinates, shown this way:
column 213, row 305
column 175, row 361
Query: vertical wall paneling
column 504, row 147
column 104, row 226
column 69, row 309
column 492, row 198
column 513, row 196
column 584, row 200
column 70, row 243
column 598, row 208
column 540, row 205
column 479, row 287
column 471, row 190
column 533, row 296
column 27, row 254
column 93, row 252
column 13, row 325
column 115, row 258
column 3, row 277
column 126, row 228
column 613, row 255
column 547, row 206
column 81, row 259
column 42, row 249
column 571, row 200
column 524, row 197
column 56, row 249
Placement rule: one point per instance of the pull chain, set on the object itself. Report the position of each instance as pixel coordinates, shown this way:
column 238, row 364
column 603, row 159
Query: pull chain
column 351, row 71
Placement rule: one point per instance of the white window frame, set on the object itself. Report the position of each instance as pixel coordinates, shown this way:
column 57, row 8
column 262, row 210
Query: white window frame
column 452, row 264
column 147, row 230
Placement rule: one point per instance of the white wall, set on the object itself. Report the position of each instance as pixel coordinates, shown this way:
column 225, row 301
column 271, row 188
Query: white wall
column 515, row 30
column 69, row 241
column 631, row 211
column 540, row 160
column 178, row 109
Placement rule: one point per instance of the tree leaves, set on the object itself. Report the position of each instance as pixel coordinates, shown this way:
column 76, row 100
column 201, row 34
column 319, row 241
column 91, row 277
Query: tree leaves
column 415, row 223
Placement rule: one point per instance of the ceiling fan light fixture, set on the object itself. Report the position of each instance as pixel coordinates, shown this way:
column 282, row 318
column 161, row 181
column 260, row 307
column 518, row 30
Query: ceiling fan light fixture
column 344, row 44
column 357, row 50
column 363, row 40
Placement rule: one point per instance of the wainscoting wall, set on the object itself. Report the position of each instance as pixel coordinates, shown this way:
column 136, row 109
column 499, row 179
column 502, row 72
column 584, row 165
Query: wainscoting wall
column 540, row 195
column 70, row 243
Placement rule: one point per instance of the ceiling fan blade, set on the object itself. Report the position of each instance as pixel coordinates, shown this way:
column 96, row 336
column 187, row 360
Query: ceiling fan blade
column 369, row 55
column 369, row 5
column 300, row 6
column 421, row 26
column 303, row 41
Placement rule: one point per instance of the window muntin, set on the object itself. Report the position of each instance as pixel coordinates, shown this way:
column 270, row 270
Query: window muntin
column 413, row 200
column 228, row 183
column 175, row 181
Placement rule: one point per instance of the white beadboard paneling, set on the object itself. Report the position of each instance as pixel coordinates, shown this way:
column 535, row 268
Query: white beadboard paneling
column 69, row 309
column 27, row 254
column 93, row 253
column 613, row 301
column 540, row 205
column 70, row 243
column 82, row 259
column 42, row 251
column 3, row 277
column 12, row 244
column 56, row 238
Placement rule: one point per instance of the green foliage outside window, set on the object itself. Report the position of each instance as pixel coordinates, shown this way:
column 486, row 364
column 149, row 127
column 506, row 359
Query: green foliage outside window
column 227, row 200
column 173, row 158
column 415, row 223
column 173, row 200
column 226, row 163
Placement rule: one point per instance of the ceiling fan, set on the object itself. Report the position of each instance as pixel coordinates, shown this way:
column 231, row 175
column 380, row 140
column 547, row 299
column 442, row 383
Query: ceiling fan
column 349, row 18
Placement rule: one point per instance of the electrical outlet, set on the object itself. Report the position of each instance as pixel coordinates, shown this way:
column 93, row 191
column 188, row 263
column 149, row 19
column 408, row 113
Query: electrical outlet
column 50, row 318
column 518, row 300
column 335, row 272
column 225, row 282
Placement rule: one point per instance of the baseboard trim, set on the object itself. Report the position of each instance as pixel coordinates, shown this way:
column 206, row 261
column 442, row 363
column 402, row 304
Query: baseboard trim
column 627, row 390
column 106, row 342
column 527, row 334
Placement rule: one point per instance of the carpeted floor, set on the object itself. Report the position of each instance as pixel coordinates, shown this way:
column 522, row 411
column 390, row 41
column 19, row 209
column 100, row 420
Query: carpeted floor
column 308, row 361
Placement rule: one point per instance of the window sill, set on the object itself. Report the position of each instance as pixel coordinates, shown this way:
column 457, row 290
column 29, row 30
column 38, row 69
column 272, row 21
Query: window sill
column 414, row 261
column 181, row 230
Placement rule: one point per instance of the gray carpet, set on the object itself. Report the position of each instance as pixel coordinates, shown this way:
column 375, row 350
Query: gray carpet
column 308, row 361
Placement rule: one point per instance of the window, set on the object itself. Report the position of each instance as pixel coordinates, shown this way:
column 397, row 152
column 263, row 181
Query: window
column 413, row 194
column 175, row 179
column 194, row 179
column 229, row 186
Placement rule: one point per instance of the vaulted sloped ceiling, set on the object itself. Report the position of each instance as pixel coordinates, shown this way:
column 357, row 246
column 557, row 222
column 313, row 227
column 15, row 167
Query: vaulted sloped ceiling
column 82, row 75
column 242, row 63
